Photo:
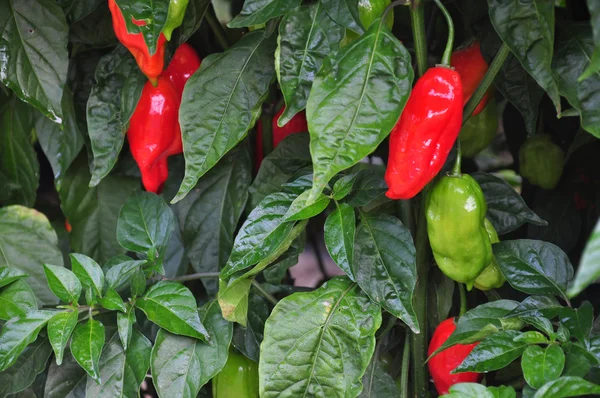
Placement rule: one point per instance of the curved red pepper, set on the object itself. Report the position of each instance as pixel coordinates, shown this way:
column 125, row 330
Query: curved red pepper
column 423, row 137
column 471, row 67
column 441, row 365
column 150, row 65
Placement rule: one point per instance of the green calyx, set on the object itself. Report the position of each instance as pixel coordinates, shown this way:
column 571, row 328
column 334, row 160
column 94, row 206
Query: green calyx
column 541, row 161
column 479, row 130
column 174, row 17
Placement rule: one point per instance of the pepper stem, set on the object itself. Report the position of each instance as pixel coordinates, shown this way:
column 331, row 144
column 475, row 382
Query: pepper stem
column 450, row 44
column 458, row 161
column 405, row 367
column 417, row 16
column 463, row 299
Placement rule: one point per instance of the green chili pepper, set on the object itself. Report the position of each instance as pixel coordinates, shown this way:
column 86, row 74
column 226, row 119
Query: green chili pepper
column 541, row 161
column 477, row 133
column 174, row 17
column 238, row 379
column 491, row 277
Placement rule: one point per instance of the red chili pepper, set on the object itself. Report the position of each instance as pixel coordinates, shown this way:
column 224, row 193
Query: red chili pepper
column 68, row 226
column 423, row 137
column 471, row 67
column 443, row 363
column 150, row 65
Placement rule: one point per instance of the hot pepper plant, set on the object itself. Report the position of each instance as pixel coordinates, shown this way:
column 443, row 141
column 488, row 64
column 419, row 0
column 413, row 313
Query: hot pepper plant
column 164, row 164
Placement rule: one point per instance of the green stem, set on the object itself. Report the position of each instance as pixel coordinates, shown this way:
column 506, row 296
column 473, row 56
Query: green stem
column 405, row 367
column 262, row 291
column 486, row 82
column 463, row 299
column 193, row 277
column 457, row 162
column 450, row 43
column 266, row 120
column 417, row 16
column 407, row 216
column 217, row 29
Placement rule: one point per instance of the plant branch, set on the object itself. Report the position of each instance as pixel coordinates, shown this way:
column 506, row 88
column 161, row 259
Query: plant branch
column 217, row 29
column 194, row 277
column 417, row 15
column 404, row 367
column 463, row 299
column 262, row 291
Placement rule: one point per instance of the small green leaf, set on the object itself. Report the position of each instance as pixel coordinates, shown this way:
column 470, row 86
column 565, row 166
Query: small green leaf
column 546, row 306
column 377, row 383
column 301, row 209
column 233, row 300
column 503, row 392
column 125, row 323
column 345, row 13
column 567, row 386
column 493, row 353
column 88, row 271
column 112, row 301
column 542, row 365
column 579, row 321
column 63, row 283
column 16, row 300
column 153, row 14
column 9, row 274
column 138, row 283
column 23, row 373
column 594, row 66
column 340, row 227
column 257, row 12
column 343, row 186
column 120, row 270
column 18, row 333
column 540, row 323
column 60, row 328
column 86, row 346
column 468, row 390
column 589, row 266
column 562, row 333
column 531, row 337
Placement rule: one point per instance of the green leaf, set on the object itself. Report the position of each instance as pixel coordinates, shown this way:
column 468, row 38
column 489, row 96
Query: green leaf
column 125, row 323
column 27, row 240
column 594, row 66
column 138, row 283
column 528, row 30
column 77, row 9
column 384, row 265
column 575, row 364
column 23, row 373
column 18, row 333
column 65, row 381
column 122, row 372
column 356, row 100
column 468, row 390
column 345, row 13
column 34, row 55
column 233, row 99
column 546, row 306
column 562, row 333
column 194, row 15
column 306, row 37
column 343, row 186
column 540, row 323
column 145, row 225
column 247, row 339
column 112, row 301
column 319, row 343
column 9, row 274
column 534, row 267
column 86, row 346
column 119, row 271
column 377, row 383
column 16, row 300
column 302, row 209
column 567, row 386
column 439, row 299
column 368, row 186
column 340, row 227
column 199, row 361
column 257, row 12
column 233, row 300
column 531, row 337
column 18, row 160
column 579, row 321
column 542, row 365
column 503, row 392
column 111, row 103
column 60, row 328
column 88, row 271
column 493, row 353
column 63, row 283
column 209, row 215
column 172, row 306
column 507, row 210
column 153, row 14
column 589, row 265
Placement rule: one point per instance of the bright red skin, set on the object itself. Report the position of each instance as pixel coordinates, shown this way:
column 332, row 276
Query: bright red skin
column 471, row 66
column 153, row 128
column 150, row 65
column 441, row 365
column 423, row 137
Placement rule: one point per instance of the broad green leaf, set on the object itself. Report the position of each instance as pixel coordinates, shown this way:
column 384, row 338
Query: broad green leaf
column 145, row 225
column 93, row 212
column 18, row 333
column 534, row 267
column 439, row 299
column 94, row 31
column 493, row 353
column 576, row 364
column 113, row 98
column 172, row 306
column 247, row 339
column 194, row 15
column 531, row 337
column 34, row 52
column 301, row 209
column 319, row 343
column 562, row 333
column 594, row 66
column 546, row 306
column 125, row 323
column 119, row 270
column 229, row 88
column 122, row 372
column 468, row 390
column 138, row 283
column 340, row 227
column 60, row 328
column 567, row 386
column 154, row 14
column 257, row 12
column 86, row 346
column 112, row 301
column 589, row 265
column 209, row 215
column 540, row 323
column 579, row 321
column 27, row 240
column 233, row 300
column 503, row 392
column 18, row 160
column 289, row 157
column 528, row 30
column 78, row 9
column 16, row 300
column 377, row 383
column 384, row 265
column 306, row 37
column 356, row 100
column 65, row 381
column 63, row 283
column 507, row 210
column 29, row 364
column 200, row 361
column 368, row 186
column 345, row 13
column 88, row 271
column 9, row 274
column 542, row 365
column 573, row 52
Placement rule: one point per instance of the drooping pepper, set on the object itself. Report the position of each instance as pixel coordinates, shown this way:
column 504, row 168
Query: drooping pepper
column 238, row 379
column 442, row 364
column 471, row 67
column 541, row 161
column 491, row 277
column 479, row 130
column 369, row 11
column 455, row 212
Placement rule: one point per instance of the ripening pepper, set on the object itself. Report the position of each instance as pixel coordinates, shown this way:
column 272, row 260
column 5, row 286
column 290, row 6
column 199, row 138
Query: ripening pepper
column 151, row 65
column 423, row 137
column 471, row 67
column 443, row 363
column 238, row 379
column 455, row 211
column 369, row 11
column 491, row 277
column 68, row 226
column 541, row 161
column 174, row 17
column 479, row 130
